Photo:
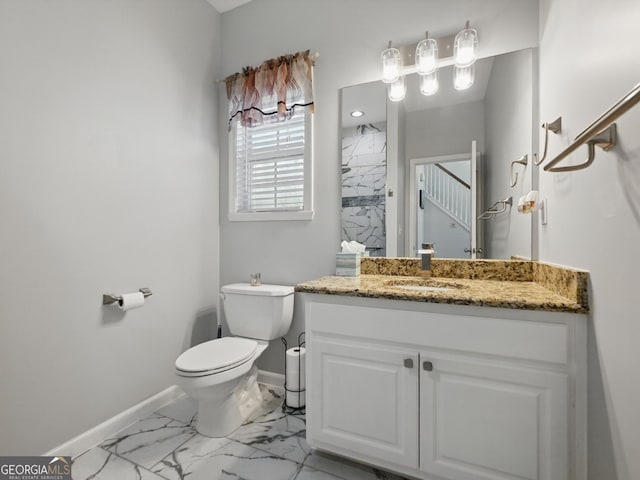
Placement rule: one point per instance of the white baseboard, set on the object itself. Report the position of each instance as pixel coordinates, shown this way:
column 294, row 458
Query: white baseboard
column 106, row 429
column 110, row 427
column 271, row 378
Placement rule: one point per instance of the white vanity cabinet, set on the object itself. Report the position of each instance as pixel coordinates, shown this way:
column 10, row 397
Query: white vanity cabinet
column 447, row 392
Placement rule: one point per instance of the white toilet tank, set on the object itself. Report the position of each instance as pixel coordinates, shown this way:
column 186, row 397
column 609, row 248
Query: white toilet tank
column 263, row 312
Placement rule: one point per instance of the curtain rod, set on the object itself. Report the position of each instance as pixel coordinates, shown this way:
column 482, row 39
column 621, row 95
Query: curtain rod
column 312, row 55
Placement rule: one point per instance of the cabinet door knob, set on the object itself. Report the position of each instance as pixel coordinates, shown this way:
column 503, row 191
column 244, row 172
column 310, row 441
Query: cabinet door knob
column 408, row 362
column 428, row 366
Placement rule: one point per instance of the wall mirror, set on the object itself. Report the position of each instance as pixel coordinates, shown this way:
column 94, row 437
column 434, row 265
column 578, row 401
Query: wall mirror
column 425, row 168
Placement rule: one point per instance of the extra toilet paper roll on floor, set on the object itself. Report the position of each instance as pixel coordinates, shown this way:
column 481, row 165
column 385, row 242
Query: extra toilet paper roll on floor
column 131, row 300
column 295, row 377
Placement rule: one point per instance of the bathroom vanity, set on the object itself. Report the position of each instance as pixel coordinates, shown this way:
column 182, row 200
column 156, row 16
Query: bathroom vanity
column 464, row 378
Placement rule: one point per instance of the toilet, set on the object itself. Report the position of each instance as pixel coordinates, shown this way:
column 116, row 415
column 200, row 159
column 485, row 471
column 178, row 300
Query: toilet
column 220, row 374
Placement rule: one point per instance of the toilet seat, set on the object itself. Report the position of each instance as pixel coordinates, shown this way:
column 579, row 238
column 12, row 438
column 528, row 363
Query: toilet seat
column 215, row 356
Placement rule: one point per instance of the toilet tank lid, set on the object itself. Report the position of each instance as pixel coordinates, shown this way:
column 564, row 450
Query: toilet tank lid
column 262, row 290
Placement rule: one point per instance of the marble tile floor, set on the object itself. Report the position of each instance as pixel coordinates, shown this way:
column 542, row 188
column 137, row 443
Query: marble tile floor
column 166, row 446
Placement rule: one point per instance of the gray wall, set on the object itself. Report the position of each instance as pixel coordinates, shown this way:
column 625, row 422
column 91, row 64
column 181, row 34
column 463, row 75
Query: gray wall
column 108, row 183
column 349, row 37
column 588, row 61
column 508, row 127
column 445, row 130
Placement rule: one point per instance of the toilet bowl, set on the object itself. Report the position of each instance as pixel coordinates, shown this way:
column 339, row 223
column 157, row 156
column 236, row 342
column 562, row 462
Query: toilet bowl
column 211, row 373
column 221, row 374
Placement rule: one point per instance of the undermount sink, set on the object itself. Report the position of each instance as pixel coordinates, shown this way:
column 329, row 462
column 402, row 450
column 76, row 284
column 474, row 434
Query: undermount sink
column 424, row 285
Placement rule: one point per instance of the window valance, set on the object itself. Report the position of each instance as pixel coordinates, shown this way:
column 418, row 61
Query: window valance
column 272, row 91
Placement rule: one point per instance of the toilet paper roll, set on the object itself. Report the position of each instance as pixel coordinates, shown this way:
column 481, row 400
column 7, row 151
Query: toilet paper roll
column 131, row 300
column 295, row 377
column 532, row 201
column 522, row 204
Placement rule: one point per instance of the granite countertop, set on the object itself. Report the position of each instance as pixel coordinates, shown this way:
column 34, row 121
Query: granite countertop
column 540, row 287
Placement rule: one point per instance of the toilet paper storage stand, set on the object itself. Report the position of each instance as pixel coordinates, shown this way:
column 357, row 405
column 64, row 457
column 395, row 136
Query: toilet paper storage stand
column 109, row 298
column 285, row 407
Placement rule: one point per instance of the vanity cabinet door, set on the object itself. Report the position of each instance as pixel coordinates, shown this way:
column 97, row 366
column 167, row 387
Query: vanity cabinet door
column 491, row 420
column 363, row 401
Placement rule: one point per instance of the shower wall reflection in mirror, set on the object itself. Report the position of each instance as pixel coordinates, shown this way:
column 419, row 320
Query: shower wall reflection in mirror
column 407, row 177
column 364, row 167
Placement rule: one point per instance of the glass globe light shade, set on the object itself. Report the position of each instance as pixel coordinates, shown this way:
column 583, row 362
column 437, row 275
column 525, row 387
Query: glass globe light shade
column 426, row 56
column 390, row 65
column 397, row 90
column 464, row 47
column 429, row 83
column 463, row 77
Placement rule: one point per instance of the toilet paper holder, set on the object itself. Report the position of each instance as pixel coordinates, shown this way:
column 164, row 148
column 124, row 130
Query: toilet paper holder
column 300, row 391
column 109, row 298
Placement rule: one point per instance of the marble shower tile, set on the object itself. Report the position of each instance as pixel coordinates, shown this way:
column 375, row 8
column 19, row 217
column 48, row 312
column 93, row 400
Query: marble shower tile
column 149, row 440
column 369, row 159
column 365, row 224
column 357, row 187
column 98, row 464
column 363, row 181
column 380, row 142
column 348, row 146
column 237, row 461
column 368, row 144
column 277, row 433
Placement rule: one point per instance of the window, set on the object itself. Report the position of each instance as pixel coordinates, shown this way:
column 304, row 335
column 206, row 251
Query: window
column 270, row 170
column 270, row 132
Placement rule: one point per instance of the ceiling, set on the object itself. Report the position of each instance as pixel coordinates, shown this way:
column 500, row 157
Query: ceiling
column 225, row 5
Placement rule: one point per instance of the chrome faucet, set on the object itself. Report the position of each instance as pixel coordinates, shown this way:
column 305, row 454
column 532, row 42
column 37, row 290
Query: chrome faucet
column 427, row 253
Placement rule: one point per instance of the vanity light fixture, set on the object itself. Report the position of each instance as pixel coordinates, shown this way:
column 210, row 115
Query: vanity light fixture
column 390, row 64
column 464, row 47
column 357, row 113
column 426, row 63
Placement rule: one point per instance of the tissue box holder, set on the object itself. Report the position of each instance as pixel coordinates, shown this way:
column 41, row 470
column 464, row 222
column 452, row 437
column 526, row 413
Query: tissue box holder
column 348, row 264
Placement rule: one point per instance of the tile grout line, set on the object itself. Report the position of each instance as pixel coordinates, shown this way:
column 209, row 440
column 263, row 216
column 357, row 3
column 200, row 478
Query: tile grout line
column 195, row 433
column 120, row 457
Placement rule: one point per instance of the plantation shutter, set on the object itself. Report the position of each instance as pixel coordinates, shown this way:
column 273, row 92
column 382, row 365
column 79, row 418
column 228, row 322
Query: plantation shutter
column 270, row 165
